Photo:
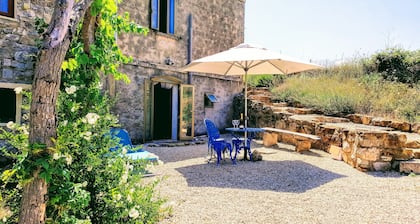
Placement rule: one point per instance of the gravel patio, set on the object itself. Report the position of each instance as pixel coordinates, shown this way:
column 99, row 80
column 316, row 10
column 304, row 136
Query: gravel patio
column 285, row 187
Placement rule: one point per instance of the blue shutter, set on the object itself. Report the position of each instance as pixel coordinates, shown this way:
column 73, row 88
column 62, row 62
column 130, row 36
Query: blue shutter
column 4, row 6
column 154, row 20
column 171, row 17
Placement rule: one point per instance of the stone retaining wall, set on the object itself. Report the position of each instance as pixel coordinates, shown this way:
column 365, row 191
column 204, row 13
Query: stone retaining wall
column 366, row 143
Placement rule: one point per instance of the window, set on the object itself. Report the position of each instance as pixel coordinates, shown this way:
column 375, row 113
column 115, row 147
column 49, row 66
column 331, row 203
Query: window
column 163, row 16
column 7, row 8
column 8, row 102
column 11, row 102
column 209, row 99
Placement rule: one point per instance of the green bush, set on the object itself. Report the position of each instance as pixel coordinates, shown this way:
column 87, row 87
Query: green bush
column 265, row 80
column 396, row 64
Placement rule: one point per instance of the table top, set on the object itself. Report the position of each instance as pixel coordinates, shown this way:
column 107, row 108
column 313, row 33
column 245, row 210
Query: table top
column 248, row 129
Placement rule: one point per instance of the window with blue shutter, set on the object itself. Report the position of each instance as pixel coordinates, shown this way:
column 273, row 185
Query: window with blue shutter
column 7, row 8
column 163, row 16
column 171, row 17
column 154, row 24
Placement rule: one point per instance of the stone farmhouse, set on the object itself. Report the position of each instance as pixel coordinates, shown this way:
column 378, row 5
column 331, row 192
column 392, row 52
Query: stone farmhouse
column 160, row 102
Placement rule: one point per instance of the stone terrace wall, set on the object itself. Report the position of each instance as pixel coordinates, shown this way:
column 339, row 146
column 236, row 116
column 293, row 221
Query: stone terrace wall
column 365, row 147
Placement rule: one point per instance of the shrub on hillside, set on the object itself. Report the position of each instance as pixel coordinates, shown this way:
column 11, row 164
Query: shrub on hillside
column 395, row 64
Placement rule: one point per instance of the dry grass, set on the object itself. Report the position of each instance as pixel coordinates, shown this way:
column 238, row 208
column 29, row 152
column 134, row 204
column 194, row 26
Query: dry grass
column 345, row 89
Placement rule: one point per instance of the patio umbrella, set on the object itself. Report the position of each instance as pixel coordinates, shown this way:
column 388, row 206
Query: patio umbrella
column 248, row 59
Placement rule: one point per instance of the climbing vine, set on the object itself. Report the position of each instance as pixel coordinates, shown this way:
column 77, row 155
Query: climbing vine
column 87, row 182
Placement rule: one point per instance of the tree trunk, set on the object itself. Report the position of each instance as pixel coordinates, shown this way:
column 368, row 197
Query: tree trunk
column 45, row 89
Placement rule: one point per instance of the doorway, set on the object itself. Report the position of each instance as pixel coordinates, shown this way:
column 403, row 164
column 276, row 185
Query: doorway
column 162, row 111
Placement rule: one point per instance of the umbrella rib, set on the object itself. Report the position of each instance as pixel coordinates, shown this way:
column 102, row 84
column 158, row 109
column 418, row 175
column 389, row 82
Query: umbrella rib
column 284, row 72
column 230, row 67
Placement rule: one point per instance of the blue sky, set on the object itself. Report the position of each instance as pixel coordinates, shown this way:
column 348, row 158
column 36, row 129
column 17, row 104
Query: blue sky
column 333, row 30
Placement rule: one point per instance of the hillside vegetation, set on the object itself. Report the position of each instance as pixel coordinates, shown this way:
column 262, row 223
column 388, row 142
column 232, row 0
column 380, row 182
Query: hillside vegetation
column 386, row 85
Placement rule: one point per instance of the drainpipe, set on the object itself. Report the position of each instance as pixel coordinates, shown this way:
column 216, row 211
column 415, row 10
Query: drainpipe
column 189, row 54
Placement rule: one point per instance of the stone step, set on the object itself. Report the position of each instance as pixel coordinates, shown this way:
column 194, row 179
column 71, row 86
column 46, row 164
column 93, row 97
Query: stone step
column 411, row 166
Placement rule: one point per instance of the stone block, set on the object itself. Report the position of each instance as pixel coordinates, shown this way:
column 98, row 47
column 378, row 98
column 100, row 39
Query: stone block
column 336, row 152
column 416, row 153
column 366, row 119
column 303, row 145
column 381, row 166
column 359, row 118
column 415, row 127
column 347, row 158
column 386, row 158
column 364, row 165
column 7, row 74
column 287, row 138
column 400, row 154
column 7, row 62
column 413, row 143
column 270, row 138
column 400, row 125
column 379, row 121
column 372, row 139
column 412, row 166
column 369, row 154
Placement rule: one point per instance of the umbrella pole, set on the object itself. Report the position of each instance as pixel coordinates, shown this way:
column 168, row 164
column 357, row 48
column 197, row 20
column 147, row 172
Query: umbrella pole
column 246, row 109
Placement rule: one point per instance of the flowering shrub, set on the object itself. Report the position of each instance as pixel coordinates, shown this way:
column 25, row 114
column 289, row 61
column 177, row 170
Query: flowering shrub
column 87, row 182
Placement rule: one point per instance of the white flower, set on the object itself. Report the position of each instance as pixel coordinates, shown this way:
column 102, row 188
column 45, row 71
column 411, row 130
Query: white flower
column 92, row 118
column 24, row 130
column 70, row 90
column 18, row 90
column 69, row 159
column 124, row 150
column 65, row 122
column 89, row 168
column 118, row 197
column 133, row 213
column 56, row 156
column 87, row 135
column 124, row 178
column 25, row 117
column 73, row 109
column 10, row 125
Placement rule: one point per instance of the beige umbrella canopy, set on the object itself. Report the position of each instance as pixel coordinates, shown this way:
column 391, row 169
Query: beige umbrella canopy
column 248, row 59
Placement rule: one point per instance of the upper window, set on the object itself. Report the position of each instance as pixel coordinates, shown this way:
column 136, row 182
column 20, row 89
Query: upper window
column 7, row 8
column 163, row 16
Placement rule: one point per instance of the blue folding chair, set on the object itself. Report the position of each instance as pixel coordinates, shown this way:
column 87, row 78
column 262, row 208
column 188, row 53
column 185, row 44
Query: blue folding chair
column 215, row 142
column 132, row 152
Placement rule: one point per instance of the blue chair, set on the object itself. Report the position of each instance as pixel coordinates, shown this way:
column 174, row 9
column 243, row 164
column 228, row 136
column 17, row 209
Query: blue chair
column 215, row 142
column 132, row 152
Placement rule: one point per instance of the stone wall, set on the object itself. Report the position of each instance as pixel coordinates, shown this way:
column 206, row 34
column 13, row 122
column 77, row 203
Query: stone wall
column 378, row 145
column 217, row 25
column 18, row 40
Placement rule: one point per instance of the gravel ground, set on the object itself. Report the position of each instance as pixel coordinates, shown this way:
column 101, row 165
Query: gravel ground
column 285, row 187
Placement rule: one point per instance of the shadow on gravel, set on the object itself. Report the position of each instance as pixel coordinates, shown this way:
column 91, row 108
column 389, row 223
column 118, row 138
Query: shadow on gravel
column 283, row 176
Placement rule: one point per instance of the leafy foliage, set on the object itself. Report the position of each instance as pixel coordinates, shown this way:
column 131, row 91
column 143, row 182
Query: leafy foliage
column 87, row 182
column 265, row 80
column 395, row 64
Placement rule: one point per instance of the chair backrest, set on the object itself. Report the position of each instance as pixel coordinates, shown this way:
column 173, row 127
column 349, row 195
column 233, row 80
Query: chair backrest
column 212, row 130
column 124, row 138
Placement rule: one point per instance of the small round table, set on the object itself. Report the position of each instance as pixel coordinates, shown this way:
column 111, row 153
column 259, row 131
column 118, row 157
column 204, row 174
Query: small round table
column 245, row 144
